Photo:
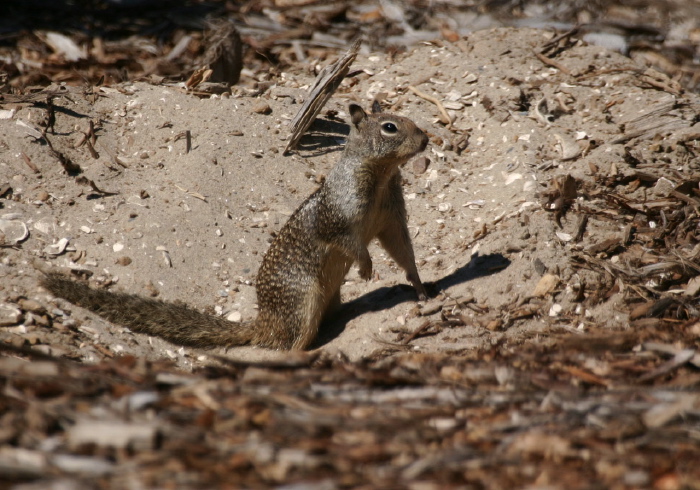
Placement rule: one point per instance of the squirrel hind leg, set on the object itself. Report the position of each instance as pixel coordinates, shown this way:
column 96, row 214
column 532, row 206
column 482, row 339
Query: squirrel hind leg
column 315, row 305
column 333, row 304
column 290, row 324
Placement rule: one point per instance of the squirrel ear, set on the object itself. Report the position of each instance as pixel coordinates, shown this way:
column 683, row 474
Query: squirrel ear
column 376, row 107
column 357, row 114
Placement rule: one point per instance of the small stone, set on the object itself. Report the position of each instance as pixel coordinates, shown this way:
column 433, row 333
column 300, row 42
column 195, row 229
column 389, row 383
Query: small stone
column 555, row 310
column 663, row 187
column 420, row 165
column 262, row 108
column 494, row 325
column 118, row 247
column 539, row 266
column 124, row 260
column 568, row 147
column 234, row 316
column 43, row 196
column 31, row 305
column 42, row 320
column 9, row 315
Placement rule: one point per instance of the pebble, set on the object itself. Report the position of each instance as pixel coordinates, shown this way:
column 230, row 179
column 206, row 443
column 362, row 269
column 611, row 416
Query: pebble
column 262, row 108
column 9, row 315
column 663, row 187
column 420, row 165
column 567, row 147
column 31, row 305
column 124, row 260
column 555, row 310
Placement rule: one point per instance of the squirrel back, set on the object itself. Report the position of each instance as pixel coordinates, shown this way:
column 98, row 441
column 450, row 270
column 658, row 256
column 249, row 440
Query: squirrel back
column 299, row 280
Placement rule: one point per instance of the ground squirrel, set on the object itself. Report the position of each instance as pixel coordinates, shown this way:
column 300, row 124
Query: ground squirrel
column 300, row 277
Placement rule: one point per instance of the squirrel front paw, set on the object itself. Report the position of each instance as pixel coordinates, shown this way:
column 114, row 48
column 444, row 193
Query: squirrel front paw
column 366, row 269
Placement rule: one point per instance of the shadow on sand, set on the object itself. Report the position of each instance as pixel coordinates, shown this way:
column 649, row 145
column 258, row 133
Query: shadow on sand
column 388, row 297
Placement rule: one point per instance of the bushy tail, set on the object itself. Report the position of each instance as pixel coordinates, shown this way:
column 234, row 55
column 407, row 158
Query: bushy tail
column 176, row 323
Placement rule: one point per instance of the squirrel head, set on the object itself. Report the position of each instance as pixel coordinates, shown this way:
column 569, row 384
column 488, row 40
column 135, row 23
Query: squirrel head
column 383, row 139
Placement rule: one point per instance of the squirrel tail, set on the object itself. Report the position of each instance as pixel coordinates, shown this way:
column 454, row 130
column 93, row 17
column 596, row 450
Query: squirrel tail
column 177, row 323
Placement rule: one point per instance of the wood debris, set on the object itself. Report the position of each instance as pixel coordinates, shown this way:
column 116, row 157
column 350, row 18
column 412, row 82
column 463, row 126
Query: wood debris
column 260, row 425
column 326, row 83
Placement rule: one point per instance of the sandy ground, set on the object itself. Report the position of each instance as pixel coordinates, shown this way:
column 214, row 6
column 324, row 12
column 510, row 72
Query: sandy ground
column 193, row 226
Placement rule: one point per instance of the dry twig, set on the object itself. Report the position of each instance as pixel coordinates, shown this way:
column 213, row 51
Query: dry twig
column 445, row 117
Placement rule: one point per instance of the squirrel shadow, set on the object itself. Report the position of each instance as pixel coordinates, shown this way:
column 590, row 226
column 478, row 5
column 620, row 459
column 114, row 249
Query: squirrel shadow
column 322, row 137
column 388, row 297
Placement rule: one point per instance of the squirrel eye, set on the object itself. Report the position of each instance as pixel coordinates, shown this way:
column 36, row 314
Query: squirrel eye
column 389, row 127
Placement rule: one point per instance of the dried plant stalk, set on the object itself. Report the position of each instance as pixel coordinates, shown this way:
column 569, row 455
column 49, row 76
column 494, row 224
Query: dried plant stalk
column 325, row 85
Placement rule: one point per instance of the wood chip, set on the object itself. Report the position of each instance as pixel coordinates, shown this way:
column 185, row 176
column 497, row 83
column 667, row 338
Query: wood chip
column 546, row 285
column 678, row 360
column 112, row 433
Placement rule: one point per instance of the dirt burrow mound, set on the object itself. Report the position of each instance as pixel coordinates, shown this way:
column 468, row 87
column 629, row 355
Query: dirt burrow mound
column 554, row 173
